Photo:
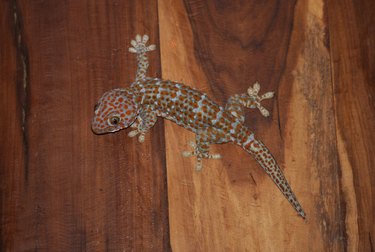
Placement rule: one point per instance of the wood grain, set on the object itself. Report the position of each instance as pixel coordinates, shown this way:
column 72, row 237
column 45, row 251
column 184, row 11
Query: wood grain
column 352, row 42
column 66, row 189
column 232, row 204
column 13, row 147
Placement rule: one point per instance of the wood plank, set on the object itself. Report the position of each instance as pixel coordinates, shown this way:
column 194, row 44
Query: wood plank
column 232, row 205
column 12, row 108
column 63, row 187
column 75, row 191
column 352, row 42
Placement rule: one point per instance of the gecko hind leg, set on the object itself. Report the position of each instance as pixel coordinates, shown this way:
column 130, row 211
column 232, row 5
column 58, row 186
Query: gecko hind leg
column 203, row 139
column 236, row 102
column 255, row 99
column 200, row 151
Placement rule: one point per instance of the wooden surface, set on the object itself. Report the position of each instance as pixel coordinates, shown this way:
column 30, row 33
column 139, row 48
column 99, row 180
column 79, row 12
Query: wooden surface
column 65, row 189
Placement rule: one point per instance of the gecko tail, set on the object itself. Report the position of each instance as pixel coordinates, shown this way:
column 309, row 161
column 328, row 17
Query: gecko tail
column 265, row 159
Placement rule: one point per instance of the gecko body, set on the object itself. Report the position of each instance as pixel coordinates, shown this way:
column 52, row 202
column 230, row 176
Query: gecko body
column 148, row 98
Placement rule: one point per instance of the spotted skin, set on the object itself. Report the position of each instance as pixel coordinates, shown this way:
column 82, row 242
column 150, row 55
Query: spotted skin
column 114, row 111
column 148, row 98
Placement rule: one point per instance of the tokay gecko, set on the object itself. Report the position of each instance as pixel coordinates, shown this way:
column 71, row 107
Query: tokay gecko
column 147, row 98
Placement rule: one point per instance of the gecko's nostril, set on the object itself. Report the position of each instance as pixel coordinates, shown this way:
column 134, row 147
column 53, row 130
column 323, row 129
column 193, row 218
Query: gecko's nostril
column 96, row 106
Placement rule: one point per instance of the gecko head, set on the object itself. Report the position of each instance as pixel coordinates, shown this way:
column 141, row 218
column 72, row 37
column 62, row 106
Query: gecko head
column 114, row 111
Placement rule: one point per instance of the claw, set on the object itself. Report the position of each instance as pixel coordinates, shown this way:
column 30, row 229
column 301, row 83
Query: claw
column 199, row 165
column 141, row 137
column 145, row 39
column 253, row 91
column 215, row 156
column 132, row 50
column 190, row 153
column 187, row 154
column 192, row 144
column 267, row 95
column 134, row 43
column 133, row 133
column 151, row 47
column 138, row 38
column 263, row 111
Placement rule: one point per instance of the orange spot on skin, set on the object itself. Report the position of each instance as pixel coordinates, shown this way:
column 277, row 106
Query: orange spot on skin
column 128, row 112
column 216, row 109
column 238, row 127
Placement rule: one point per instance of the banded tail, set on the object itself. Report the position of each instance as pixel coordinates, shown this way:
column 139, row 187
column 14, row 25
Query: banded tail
column 264, row 157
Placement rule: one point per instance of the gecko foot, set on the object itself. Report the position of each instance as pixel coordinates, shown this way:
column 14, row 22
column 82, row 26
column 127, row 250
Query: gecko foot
column 139, row 45
column 200, row 155
column 141, row 137
column 133, row 133
column 255, row 99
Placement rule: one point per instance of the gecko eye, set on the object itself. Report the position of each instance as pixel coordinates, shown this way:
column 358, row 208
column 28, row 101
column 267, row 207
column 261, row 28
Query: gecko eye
column 114, row 120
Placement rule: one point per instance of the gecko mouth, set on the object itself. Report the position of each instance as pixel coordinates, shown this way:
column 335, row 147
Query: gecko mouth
column 99, row 131
column 96, row 129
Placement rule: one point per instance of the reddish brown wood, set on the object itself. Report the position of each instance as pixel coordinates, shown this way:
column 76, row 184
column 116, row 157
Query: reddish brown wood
column 13, row 147
column 73, row 190
column 63, row 188
column 352, row 42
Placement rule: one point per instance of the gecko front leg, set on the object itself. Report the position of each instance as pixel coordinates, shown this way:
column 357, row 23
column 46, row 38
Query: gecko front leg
column 145, row 120
column 140, row 48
